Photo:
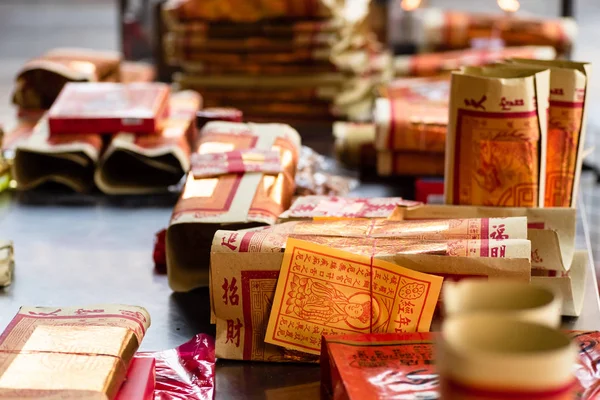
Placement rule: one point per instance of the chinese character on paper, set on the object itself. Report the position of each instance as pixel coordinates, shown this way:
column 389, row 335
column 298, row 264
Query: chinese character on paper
column 230, row 292
column 499, row 233
column 233, row 332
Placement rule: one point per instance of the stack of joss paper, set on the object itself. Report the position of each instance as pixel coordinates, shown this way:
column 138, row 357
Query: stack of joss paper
column 276, row 290
column 242, row 176
column 411, row 120
column 83, row 353
column 456, row 30
column 294, row 60
column 504, row 149
column 122, row 138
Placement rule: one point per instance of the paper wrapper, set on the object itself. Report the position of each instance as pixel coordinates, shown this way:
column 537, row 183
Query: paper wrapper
column 413, row 116
column 496, row 144
column 40, row 80
column 324, row 207
column 79, row 353
column 455, row 30
column 354, row 143
column 566, row 128
column 245, row 268
column 358, row 294
column 554, row 261
column 7, row 262
column 109, row 108
column 402, row 365
column 241, row 11
column 408, row 163
column 67, row 159
column 431, row 64
column 151, row 163
column 231, row 201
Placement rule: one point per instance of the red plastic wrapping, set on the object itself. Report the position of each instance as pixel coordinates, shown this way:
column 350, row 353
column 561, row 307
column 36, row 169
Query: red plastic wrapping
column 159, row 253
column 186, row 372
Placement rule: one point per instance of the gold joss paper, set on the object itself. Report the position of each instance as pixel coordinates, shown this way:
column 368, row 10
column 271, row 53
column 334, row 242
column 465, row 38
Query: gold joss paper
column 69, row 352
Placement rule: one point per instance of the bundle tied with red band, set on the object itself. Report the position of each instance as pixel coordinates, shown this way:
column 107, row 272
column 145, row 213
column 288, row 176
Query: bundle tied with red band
column 245, row 264
column 237, row 187
column 83, row 353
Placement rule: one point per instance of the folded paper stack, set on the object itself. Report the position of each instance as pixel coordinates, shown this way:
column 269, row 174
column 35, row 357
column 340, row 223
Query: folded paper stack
column 448, row 30
column 496, row 144
column 131, row 164
column 403, row 365
column 242, row 176
column 70, row 352
column 411, row 121
column 41, row 79
column 554, row 261
column 295, row 60
column 245, row 265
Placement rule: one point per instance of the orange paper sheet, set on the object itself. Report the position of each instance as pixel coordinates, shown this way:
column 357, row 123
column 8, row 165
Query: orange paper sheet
column 323, row 291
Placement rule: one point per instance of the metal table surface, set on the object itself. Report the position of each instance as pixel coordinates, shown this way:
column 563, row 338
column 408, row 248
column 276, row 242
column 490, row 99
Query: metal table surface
column 98, row 251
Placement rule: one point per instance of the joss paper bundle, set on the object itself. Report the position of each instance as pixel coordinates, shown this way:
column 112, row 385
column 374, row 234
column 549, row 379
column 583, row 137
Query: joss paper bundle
column 68, row 159
column 566, row 128
column 151, row 163
column 446, row 29
column 245, row 265
column 432, row 64
column 242, row 176
column 51, row 352
column 496, row 144
column 410, row 163
column 41, row 79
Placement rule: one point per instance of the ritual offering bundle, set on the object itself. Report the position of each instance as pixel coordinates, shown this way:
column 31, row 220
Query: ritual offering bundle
column 298, row 61
column 242, row 176
column 134, row 164
column 41, row 79
column 246, row 267
column 94, row 347
column 554, row 261
column 497, row 135
column 566, row 128
column 447, row 29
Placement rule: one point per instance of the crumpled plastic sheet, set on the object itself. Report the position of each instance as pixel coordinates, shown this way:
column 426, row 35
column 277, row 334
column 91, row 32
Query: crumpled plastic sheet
column 186, row 372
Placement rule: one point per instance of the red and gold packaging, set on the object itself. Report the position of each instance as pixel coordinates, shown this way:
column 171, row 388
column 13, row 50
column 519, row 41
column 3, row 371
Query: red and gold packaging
column 140, row 380
column 109, row 108
column 237, row 200
column 70, row 352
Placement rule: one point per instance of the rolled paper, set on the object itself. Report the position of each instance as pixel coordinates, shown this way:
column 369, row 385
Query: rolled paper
column 566, row 128
column 238, row 200
column 109, row 108
column 245, row 267
column 518, row 300
column 71, row 352
column 68, row 159
column 494, row 357
column 324, row 291
column 496, row 144
column 7, row 262
column 138, row 164
column 431, row 64
column 447, row 29
column 41, row 79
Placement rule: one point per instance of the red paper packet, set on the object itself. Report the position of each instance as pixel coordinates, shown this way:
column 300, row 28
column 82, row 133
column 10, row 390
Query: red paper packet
column 109, row 108
column 140, row 380
column 401, row 366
